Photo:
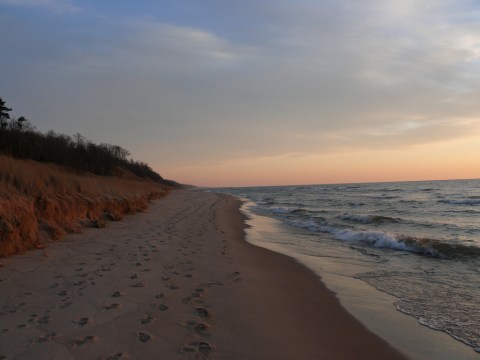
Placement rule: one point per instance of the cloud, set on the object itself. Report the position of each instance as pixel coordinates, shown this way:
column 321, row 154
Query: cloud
column 311, row 77
column 60, row 6
column 163, row 45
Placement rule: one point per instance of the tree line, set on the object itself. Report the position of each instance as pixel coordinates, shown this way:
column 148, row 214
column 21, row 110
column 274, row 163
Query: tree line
column 19, row 139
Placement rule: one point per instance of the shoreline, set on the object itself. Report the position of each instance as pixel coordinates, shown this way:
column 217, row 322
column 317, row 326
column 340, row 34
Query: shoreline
column 292, row 301
column 373, row 308
column 179, row 281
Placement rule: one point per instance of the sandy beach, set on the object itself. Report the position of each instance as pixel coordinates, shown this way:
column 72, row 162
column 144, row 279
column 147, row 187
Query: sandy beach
column 178, row 281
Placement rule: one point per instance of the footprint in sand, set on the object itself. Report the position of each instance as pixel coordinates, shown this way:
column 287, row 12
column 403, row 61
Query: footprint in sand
column 202, row 312
column 111, row 306
column 204, row 348
column 82, row 341
column 117, row 294
column 144, row 337
column 44, row 338
column 32, row 318
column 138, row 285
column 146, row 320
column 83, row 321
column 234, row 277
column 118, row 356
column 162, row 307
column 68, row 303
column 201, row 329
column 187, row 349
column 44, row 320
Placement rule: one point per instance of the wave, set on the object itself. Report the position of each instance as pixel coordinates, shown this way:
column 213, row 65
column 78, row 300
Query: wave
column 285, row 210
column 382, row 239
column 301, row 211
column 265, row 201
column 352, row 204
column 280, row 210
column 474, row 200
column 346, row 187
column 382, row 197
column 368, row 219
column 424, row 246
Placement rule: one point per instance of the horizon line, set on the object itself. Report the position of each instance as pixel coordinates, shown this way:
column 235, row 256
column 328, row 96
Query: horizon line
column 339, row 183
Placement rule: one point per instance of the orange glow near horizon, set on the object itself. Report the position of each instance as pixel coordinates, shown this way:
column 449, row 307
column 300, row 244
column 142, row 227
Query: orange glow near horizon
column 441, row 161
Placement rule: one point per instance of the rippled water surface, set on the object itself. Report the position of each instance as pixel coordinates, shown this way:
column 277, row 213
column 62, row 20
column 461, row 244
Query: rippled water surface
column 421, row 241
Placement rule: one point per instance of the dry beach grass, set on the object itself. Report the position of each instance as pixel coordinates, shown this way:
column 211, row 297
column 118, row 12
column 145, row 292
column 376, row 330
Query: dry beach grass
column 39, row 202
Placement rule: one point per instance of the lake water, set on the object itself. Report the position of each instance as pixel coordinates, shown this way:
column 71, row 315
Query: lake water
column 417, row 241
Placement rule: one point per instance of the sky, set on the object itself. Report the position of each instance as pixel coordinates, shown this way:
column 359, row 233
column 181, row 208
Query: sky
column 241, row 93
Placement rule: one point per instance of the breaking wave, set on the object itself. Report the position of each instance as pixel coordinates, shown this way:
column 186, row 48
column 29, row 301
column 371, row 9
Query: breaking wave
column 368, row 219
column 474, row 200
column 382, row 239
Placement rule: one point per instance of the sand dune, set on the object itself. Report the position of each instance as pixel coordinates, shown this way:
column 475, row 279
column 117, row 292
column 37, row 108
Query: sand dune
column 42, row 202
column 176, row 282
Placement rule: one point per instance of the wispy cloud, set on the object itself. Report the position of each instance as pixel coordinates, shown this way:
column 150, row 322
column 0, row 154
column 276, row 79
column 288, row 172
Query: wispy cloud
column 174, row 47
column 60, row 6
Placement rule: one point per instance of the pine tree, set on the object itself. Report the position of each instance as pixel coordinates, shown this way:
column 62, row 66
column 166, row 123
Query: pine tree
column 4, row 114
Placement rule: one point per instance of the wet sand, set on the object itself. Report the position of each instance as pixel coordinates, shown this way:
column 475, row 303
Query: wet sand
column 176, row 282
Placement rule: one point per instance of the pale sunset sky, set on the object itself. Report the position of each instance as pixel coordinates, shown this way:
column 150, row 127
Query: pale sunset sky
column 238, row 93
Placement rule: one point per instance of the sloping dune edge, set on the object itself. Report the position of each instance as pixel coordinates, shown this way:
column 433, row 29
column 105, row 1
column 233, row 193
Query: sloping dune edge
column 42, row 202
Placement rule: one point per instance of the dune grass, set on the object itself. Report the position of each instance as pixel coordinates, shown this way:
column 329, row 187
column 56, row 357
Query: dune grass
column 41, row 201
column 30, row 178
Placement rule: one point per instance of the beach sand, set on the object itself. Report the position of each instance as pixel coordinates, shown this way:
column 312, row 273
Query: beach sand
column 176, row 282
